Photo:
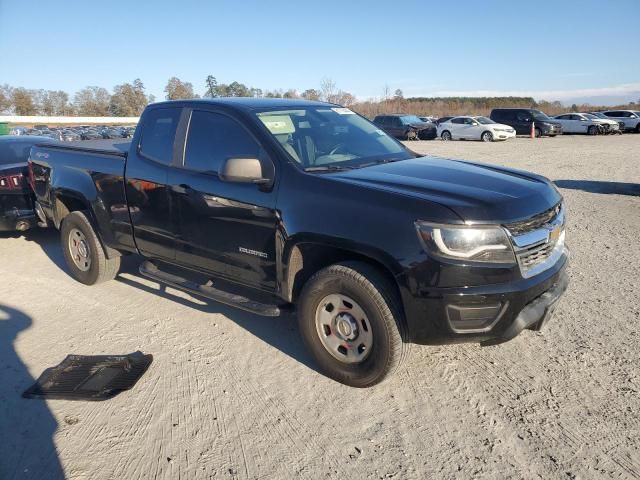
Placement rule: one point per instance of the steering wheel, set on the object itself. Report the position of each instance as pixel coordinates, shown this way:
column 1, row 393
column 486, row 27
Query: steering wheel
column 336, row 148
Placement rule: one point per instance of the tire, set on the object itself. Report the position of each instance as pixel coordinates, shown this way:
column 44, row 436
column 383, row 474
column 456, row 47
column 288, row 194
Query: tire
column 446, row 135
column 486, row 136
column 592, row 130
column 537, row 132
column 83, row 251
column 637, row 127
column 358, row 290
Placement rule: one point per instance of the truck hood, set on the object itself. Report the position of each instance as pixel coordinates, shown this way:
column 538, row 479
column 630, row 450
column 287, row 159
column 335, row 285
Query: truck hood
column 475, row 192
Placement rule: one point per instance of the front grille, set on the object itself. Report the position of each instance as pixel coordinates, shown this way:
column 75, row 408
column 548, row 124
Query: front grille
column 533, row 223
column 533, row 256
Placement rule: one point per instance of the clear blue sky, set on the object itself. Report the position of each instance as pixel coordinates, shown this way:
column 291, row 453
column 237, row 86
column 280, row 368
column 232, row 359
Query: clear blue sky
column 565, row 50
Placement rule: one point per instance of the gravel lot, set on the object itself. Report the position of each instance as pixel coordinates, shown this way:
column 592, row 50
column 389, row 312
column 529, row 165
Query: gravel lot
column 232, row 395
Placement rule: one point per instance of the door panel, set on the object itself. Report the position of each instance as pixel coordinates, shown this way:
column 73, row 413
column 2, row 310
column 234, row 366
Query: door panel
column 146, row 186
column 227, row 229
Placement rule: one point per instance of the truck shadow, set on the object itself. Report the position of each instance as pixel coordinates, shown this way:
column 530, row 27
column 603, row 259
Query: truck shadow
column 27, row 427
column 598, row 186
column 280, row 332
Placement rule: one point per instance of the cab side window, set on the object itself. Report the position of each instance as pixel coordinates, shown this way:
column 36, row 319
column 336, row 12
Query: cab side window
column 213, row 138
column 158, row 134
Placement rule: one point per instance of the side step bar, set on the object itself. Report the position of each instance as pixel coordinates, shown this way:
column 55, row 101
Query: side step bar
column 150, row 270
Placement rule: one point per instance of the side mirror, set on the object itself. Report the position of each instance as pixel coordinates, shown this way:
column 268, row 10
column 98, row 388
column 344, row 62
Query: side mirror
column 243, row 170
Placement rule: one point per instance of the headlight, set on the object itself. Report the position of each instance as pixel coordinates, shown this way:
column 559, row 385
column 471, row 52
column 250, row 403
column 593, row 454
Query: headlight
column 485, row 244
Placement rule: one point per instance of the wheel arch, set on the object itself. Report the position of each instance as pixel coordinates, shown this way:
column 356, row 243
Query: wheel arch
column 67, row 201
column 305, row 258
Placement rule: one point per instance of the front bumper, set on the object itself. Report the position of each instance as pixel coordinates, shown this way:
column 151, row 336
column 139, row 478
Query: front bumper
column 503, row 135
column 523, row 304
column 551, row 129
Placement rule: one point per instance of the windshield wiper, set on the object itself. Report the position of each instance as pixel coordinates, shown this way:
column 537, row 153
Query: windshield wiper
column 327, row 168
column 380, row 162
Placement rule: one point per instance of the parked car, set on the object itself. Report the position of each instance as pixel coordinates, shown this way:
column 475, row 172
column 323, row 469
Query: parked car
column 309, row 204
column 580, row 123
column 16, row 197
column 521, row 119
column 90, row 135
column 70, row 136
column 474, row 128
column 602, row 116
column 630, row 119
column 53, row 134
column 427, row 119
column 406, row 127
column 111, row 133
column 18, row 131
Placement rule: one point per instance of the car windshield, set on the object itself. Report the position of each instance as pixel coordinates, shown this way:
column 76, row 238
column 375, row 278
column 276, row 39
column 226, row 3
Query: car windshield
column 483, row 120
column 538, row 115
column 331, row 138
column 409, row 119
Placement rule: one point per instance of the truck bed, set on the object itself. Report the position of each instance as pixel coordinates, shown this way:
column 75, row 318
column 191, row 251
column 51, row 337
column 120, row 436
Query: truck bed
column 96, row 170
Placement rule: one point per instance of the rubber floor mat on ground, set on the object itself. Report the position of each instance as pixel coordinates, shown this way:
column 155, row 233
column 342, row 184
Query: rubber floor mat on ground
column 95, row 378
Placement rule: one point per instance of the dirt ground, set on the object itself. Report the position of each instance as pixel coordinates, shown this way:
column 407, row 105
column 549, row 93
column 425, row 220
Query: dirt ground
column 235, row 396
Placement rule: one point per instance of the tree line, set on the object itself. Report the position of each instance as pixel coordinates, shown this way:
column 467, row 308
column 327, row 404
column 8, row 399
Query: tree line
column 126, row 100
column 130, row 99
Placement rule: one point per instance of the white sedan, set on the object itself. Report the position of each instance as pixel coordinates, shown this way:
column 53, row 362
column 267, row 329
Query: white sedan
column 474, row 128
column 580, row 123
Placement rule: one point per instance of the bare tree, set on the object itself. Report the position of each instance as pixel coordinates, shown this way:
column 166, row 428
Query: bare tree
column 128, row 99
column 398, row 95
column 176, row 89
column 327, row 89
column 23, row 102
column 92, row 101
column 311, row 94
column 386, row 92
column 6, row 93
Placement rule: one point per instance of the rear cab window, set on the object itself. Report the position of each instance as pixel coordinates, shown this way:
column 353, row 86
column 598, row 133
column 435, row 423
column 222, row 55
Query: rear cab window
column 158, row 134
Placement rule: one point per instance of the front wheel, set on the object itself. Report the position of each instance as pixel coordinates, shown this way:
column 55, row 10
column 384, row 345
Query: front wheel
column 537, row 132
column 83, row 251
column 446, row 135
column 592, row 130
column 487, row 137
column 350, row 320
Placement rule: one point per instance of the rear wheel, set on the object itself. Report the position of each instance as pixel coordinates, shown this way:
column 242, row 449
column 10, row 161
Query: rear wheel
column 350, row 320
column 83, row 251
column 487, row 137
column 446, row 135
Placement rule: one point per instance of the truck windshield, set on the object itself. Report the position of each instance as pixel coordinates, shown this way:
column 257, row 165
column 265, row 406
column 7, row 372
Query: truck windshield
column 331, row 138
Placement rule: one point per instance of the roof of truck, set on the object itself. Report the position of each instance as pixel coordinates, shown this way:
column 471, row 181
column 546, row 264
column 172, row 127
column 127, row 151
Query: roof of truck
column 250, row 103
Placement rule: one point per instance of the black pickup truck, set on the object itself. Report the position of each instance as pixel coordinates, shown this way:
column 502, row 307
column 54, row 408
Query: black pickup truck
column 309, row 204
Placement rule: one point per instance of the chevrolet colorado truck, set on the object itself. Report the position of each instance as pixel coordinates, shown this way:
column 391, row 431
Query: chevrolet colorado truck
column 308, row 204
